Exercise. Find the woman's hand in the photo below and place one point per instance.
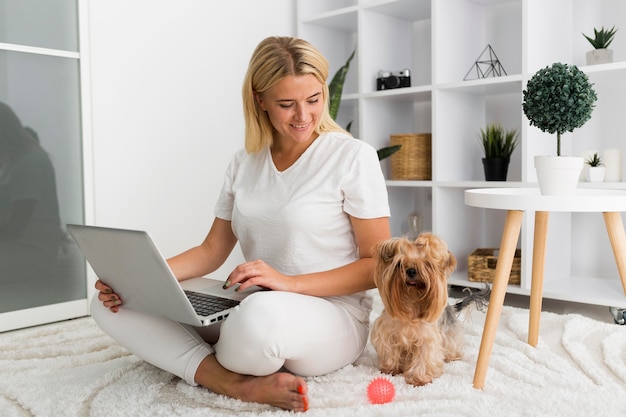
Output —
(348, 279)
(261, 274)
(109, 299)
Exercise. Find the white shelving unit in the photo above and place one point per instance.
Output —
(439, 41)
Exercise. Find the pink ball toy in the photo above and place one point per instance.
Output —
(380, 391)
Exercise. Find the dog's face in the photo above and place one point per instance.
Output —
(412, 276)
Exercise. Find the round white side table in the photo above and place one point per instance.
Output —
(516, 201)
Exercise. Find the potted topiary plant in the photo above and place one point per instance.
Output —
(594, 168)
(498, 144)
(558, 99)
(601, 54)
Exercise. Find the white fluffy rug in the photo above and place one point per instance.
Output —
(578, 369)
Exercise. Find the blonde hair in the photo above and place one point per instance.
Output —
(273, 59)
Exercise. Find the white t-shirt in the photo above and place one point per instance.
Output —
(297, 220)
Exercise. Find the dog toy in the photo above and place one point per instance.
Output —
(380, 391)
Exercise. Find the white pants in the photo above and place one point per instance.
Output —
(268, 331)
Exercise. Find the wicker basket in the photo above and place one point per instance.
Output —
(413, 160)
(482, 266)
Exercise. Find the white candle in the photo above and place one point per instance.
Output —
(612, 159)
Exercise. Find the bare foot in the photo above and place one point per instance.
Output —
(282, 390)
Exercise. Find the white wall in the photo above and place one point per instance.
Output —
(166, 80)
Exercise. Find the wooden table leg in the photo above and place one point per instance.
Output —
(536, 286)
(617, 237)
(510, 234)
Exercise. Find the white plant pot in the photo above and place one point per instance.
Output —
(558, 175)
(599, 56)
(595, 174)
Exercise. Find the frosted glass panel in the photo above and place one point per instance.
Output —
(42, 23)
(40, 181)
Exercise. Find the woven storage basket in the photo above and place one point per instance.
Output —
(413, 160)
(482, 266)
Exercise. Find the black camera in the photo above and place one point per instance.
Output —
(387, 79)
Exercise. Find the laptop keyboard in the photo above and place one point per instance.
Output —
(206, 304)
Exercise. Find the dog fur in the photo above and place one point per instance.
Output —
(418, 331)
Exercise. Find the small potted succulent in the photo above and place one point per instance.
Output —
(558, 99)
(600, 54)
(498, 144)
(594, 168)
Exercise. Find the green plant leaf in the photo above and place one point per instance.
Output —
(336, 87)
(602, 38)
(594, 161)
(498, 142)
(387, 151)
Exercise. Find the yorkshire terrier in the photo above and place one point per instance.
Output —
(418, 331)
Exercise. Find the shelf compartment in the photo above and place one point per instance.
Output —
(393, 43)
(344, 20)
(349, 114)
(605, 129)
(466, 228)
(588, 289)
(410, 10)
(325, 10)
(381, 118)
(595, 255)
(407, 202)
(459, 116)
(589, 15)
(336, 46)
(477, 24)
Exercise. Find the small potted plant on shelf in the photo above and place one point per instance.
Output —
(601, 54)
(558, 99)
(498, 144)
(594, 168)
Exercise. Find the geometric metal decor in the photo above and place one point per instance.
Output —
(487, 65)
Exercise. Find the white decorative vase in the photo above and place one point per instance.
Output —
(595, 174)
(558, 175)
(599, 56)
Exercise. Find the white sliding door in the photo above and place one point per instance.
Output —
(42, 276)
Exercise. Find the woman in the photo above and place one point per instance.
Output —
(307, 204)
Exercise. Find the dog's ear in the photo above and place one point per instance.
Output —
(450, 263)
(387, 250)
(438, 250)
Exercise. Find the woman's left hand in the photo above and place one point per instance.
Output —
(258, 273)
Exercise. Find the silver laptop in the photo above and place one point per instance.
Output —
(129, 262)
